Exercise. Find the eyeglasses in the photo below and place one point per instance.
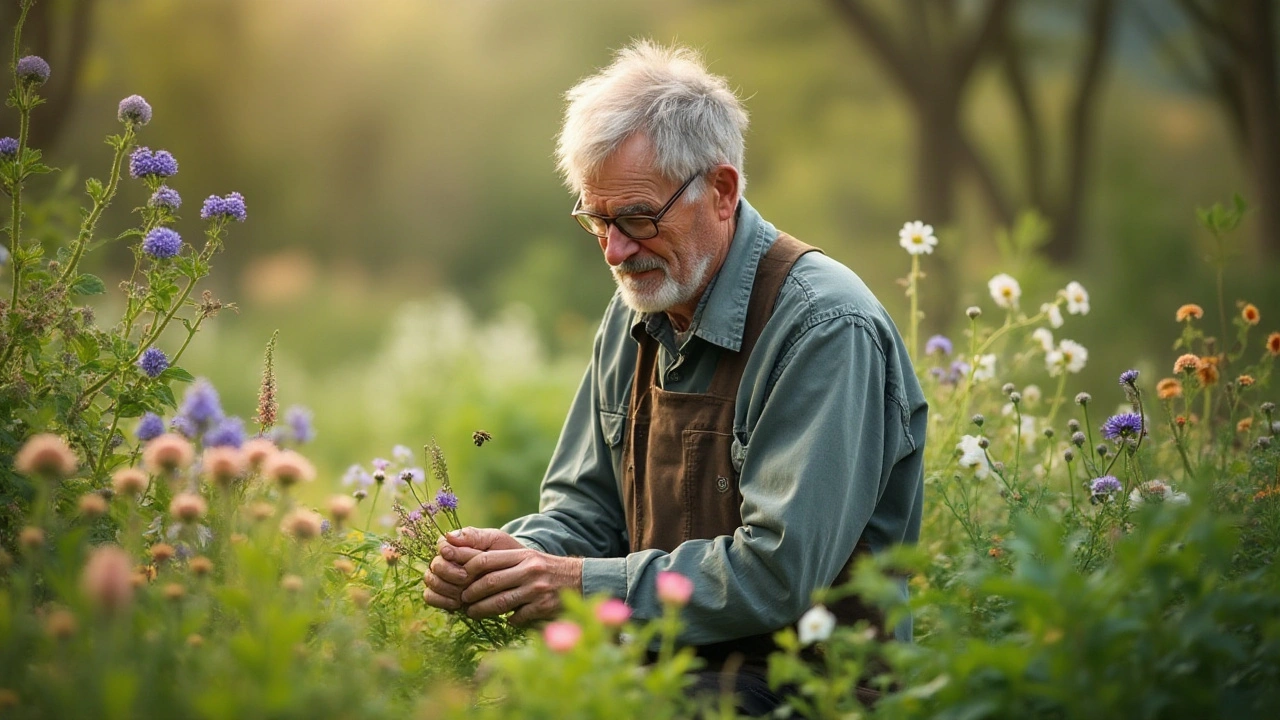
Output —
(634, 226)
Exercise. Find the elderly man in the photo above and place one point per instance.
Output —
(750, 417)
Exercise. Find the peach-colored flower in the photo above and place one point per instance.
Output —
(613, 613)
(1190, 311)
(561, 635)
(45, 455)
(341, 507)
(144, 574)
(344, 566)
(291, 583)
(61, 624)
(1250, 313)
(92, 505)
(129, 481)
(359, 596)
(257, 450)
(224, 463)
(1244, 425)
(1169, 388)
(188, 507)
(31, 537)
(1187, 363)
(1245, 380)
(200, 566)
(162, 553)
(174, 591)
(390, 553)
(107, 578)
(674, 588)
(1263, 494)
(288, 468)
(1273, 343)
(167, 453)
(195, 640)
(1208, 371)
(261, 510)
(302, 524)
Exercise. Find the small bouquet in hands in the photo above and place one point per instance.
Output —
(420, 521)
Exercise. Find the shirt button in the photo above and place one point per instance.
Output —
(674, 376)
(722, 483)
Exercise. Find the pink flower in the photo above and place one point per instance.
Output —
(613, 613)
(674, 588)
(561, 635)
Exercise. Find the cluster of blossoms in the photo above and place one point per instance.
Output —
(397, 473)
(32, 70)
(144, 163)
(229, 207)
(952, 371)
(153, 361)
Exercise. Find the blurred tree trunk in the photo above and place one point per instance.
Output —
(933, 65)
(1237, 39)
(57, 31)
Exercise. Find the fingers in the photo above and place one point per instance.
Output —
(498, 581)
(482, 539)
(455, 554)
(495, 560)
(436, 600)
(448, 572)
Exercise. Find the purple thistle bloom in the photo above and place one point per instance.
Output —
(1124, 425)
(33, 69)
(183, 426)
(200, 404)
(357, 475)
(150, 427)
(380, 464)
(416, 474)
(299, 421)
(446, 500)
(228, 432)
(1105, 485)
(230, 207)
(165, 197)
(415, 516)
(430, 509)
(937, 344)
(144, 163)
(1129, 377)
(162, 243)
(134, 109)
(958, 371)
(9, 147)
(153, 362)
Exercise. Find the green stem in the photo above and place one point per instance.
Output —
(1057, 397)
(91, 222)
(913, 289)
(373, 503)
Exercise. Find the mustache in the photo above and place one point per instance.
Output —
(639, 265)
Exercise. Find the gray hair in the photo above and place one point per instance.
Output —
(693, 120)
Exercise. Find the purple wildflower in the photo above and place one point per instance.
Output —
(183, 426)
(1105, 485)
(958, 371)
(416, 474)
(165, 197)
(228, 432)
(430, 509)
(937, 344)
(200, 405)
(1129, 377)
(299, 421)
(134, 109)
(404, 477)
(415, 516)
(229, 207)
(401, 454)
(357, 475)
(33, 70)
(144, 163)
(9, 147)
(150, 427)
(162, 243)
(380, 464)
(446, 500)
(1122, 426)
(153, 362)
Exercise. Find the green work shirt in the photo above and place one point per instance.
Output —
(829, 431)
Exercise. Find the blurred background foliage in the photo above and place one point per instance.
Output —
(410, 239)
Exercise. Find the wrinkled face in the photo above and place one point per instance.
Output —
(671, 268)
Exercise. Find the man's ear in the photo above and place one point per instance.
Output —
(724, 189)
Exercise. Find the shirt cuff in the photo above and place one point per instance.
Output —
(604, 576)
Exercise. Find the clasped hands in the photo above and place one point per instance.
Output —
(485, 572)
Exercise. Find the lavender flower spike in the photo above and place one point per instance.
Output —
(33, 70)
(134, 109)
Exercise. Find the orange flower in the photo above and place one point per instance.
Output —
(1180, 421)
(1208, 373)
(995, 552)
(1244, 425)
(1169, 388)
(162, 552)
(1273, 343)
(1190, 311)
(1186, 364)
(1250, 313)
(1265, 493)
(1245, 380)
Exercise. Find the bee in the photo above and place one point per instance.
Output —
(480, 437)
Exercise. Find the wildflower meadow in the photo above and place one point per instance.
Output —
(1085, 552)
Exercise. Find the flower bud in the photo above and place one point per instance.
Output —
(200, 566)
(1015, 397)
(162, 552)
(1267, 407)
(1008, 388)
(1263, 442)
(1078, 439)
(973, 312)
(341, 507)
(978, 419)
(984, 443)
(107, 579)
(31, 538)
(129, 481)
(45, 456)
(61, 624)
(359, 495)
(1073, 425)
(1048, 432)
(1069, 455)
(1103, 450)
(92, 505)
(998, 467)
(188, 507)
(174, 592)
(1083, 398)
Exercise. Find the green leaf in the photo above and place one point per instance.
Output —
(94, 187)
(88, 284)
(176, 373)
(164, 395)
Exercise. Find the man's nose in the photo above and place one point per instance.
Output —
(617, 246)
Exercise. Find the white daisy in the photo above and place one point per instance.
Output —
(1055, 314)
(1044, 337)
(986, 368)
(816, 625)
(1005, 291)
(917, 238)
(973, 457)
(1077, 298)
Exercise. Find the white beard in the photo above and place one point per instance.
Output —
(642, 296)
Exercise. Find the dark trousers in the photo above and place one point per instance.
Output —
(752, 695)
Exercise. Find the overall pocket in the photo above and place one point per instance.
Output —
(713, 502)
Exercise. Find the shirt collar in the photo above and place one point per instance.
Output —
(721, 316)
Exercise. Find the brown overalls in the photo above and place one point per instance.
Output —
(678, 478)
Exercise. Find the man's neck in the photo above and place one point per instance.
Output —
(681, 316)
